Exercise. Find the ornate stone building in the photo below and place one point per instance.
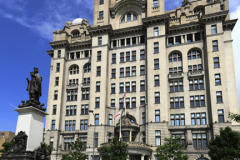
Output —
(176, 68)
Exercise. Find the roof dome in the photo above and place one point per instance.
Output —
(78, 20)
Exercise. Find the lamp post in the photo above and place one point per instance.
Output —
(91, 111)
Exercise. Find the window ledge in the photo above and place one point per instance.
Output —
(216, 67)
(98, 60)
(142, 59)
(178, 108)
(98, 76)
(219, 102)
(113, 63)
(218, 84)
(156, 85)
(112, 93)
(113, 78)
(142, 90)
(156, 68)
(83, 114)
(100, 18)
(216, 51)
(157, 103)
(197, 90)
(70, 115)
(156, 53)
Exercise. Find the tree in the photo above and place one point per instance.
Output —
(234, 117)
(225, 146)
(6, 147)
(116, 151)
(76, 151)
(171, 150)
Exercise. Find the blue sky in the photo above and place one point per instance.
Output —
(26, 30)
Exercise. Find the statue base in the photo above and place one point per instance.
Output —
(31, 121)
(33, 103)
(25, 155)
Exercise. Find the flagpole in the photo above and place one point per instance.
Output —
(120, 127)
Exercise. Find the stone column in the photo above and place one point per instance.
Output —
(142, 157)
(174, 40)
(112, 44)
(89, 157)
(182, 39)
(131, 41)
(130, 136)
(193, 37)
(127, 157)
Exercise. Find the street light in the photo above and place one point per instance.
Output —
(91, 111)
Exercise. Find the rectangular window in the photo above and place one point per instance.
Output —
(55, 95)
(215, 45)
(216, 62)
(59, 53)
(143, 118)
(214, 29)
(196, 84)
(78, 55)
(142, 100)
(142, 70)
(133, 102)
(156, 31)
(158, 137)
(176, 86)
(127, 86)
(157, 97)
(97, 102)
(96, 119)
(189, 38)
(98, 71)
(128, 41)
(72, 95)
(83, 124)
(142, 85)
(71, 110)
(113, 73)
(51, 141)
(199, 140)
(177, 120)
(156, 63)
(85, 94)
(99, 40)
(219, 96)
(98, 86)
(170, 41)
(157, 115)
(198, 118)
(113, 58)
(156, 80)
(121, 87)
(128, 17)
(220, 115)
(133, 55)
(112, 102)
(122, 57)
(197, 37)
(53, 124)
(99, 55)
(56, 81)
(110, 119)
(66, 143)
(197, 101)
(58, 67)
(113, 88)
(96, 140)
(155, 3)
(177, 102)
(100, 16)
(101, 2)
(142, 54)
(120, 103)
(222, 7)
(127, 71)
(84, 109)
(133, 70)
(217, 79)
(182, 139)
(178, 39)
(127, 102)
(54, 109)
(156, 49)
(133, 86)
(127, 56)
(122, 42)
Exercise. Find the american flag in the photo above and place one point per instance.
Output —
(123, 97)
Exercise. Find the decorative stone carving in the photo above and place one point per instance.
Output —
(42, 153)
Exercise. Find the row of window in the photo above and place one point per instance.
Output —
(127, 41)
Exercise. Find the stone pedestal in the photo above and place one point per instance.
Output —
(31, 121)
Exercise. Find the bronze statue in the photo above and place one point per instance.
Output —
(34, 87)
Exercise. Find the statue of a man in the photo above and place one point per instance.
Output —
(34, 87)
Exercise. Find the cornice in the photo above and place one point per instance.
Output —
(59, 44)
(229, 24)
(214, 16)
(129, 30)
(94, 30)
(184, 27)
(50, 53)
(156, 19)
(84, 44)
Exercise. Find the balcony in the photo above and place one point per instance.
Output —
(72, 86)
(86, 84)
(175, 75)
(195, 73)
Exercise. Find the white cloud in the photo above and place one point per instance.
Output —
(236, 46)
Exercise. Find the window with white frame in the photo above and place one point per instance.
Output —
(198, 118)
(112, 102)
(175, 57)
(177, 120)
(133, 86)
(85, 94)
(72, 95)
(158, 137)
(157, 97)
(74, 70)
(142, 100)
(133, 102)
(142, 85)
(97, 102)
(71, 110)
(155, 31)
(113, 88)
(176, 102)
(219, 96)
(175, 70)
(176, 86)
(84, 109)
(194, 54)
(199, 140)
(156, 80)
(217, 79)
(196, 84)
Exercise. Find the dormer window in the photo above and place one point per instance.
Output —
(199, 10)
(75, 33)
(129, 17)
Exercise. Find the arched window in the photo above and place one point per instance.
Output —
(175, 57)
(74, 69)
(75, 33)
(87, 68)
(194, 54)
(199, 9)
(129, 17)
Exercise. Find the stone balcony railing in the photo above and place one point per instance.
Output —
(175, 75)
(85, 84)
(195, 73)
(130, 144)
(72, 86)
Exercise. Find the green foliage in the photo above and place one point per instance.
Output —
(171, 150)
(116, 151)
(234, 117)
(48, 148)
(225, 146)
(6, 147)
(76, 152)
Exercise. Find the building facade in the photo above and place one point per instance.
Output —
(5, 136)
(176, 68)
